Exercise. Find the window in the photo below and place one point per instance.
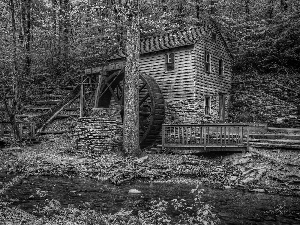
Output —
(214, 36)
(221, 67)
(170, 61)
(207, 62)
(207, 102)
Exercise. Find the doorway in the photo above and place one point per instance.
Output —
(222, 107)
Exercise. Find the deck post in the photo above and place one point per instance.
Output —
(221, 136)
(204, 138)
(20, 128)
(163, 137)
(32, 130)
(1, 129)
(81, 102)
(247, 138)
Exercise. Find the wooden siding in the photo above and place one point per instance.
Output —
(177, 84)
(211, 83)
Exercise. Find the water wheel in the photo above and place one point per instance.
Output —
(151, 102)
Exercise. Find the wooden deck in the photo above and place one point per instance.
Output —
(194, 138)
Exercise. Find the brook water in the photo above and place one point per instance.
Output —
(232, 206)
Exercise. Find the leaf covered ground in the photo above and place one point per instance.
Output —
(270, 171)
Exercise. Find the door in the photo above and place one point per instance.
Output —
(221, 107)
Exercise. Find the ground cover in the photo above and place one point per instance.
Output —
(259, 170)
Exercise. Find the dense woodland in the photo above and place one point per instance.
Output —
(50, 42)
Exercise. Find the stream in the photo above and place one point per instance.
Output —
(231, 205)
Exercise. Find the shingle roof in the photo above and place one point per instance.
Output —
(167, 41)
(174, 40)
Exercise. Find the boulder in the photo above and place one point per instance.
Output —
(134, 191)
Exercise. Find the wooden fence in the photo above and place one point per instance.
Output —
(26, 129)
(192, 138)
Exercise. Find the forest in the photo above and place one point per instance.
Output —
(52, 41)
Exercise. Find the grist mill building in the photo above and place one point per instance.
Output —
(185, 78)
(193, 71)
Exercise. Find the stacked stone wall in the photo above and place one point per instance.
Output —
(100, 132)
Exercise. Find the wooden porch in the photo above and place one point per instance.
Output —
(196, 138)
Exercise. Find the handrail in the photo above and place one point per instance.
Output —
(30, 127)
(48, 117)
(208, 137)
(207, 124)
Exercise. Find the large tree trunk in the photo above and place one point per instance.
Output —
(27, 34)
(11, 110)
(65, 34)
(131, 100)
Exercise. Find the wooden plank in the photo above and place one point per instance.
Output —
(1, 129)
(163, 136)
(20, 128)
(81, 114)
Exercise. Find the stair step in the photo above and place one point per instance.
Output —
(284, 130)
(47, 102)
(276, 145)
(69, 88)
(71, 109)
(59, 117)
(38, 108)
(275, 136)
(275, 141)
(53, 132)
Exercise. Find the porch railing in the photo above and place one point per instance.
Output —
(206, 137)
(26, 129)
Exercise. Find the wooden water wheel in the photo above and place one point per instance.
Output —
(151, 102)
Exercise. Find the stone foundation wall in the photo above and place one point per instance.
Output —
(192, 111)
(99, 132)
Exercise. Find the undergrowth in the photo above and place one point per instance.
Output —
(159, 212)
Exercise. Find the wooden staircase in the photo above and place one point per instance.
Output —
(55, 106)
(271, 89)
(277, 138)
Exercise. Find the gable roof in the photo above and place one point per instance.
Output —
(178, 39)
